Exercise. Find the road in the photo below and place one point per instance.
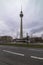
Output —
(10, 55)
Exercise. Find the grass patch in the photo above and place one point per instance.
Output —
(23, 45)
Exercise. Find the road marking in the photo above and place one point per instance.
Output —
(34, 57)
(14, 53)
(35, 50)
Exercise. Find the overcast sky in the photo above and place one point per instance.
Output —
(10, 20)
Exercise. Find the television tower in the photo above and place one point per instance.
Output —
(21, 26)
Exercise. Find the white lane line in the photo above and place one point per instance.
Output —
(35, 50)
(34, 57)
(14, 53)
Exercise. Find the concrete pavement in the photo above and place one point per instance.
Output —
(10, 55)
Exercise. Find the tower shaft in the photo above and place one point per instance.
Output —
(21, 29)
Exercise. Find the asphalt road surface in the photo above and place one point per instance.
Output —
(10, 55)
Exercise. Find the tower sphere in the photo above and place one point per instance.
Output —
(21, 14)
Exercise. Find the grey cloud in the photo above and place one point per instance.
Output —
(33, 15)
(37, 30)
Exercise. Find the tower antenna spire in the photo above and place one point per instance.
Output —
(21, 4)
